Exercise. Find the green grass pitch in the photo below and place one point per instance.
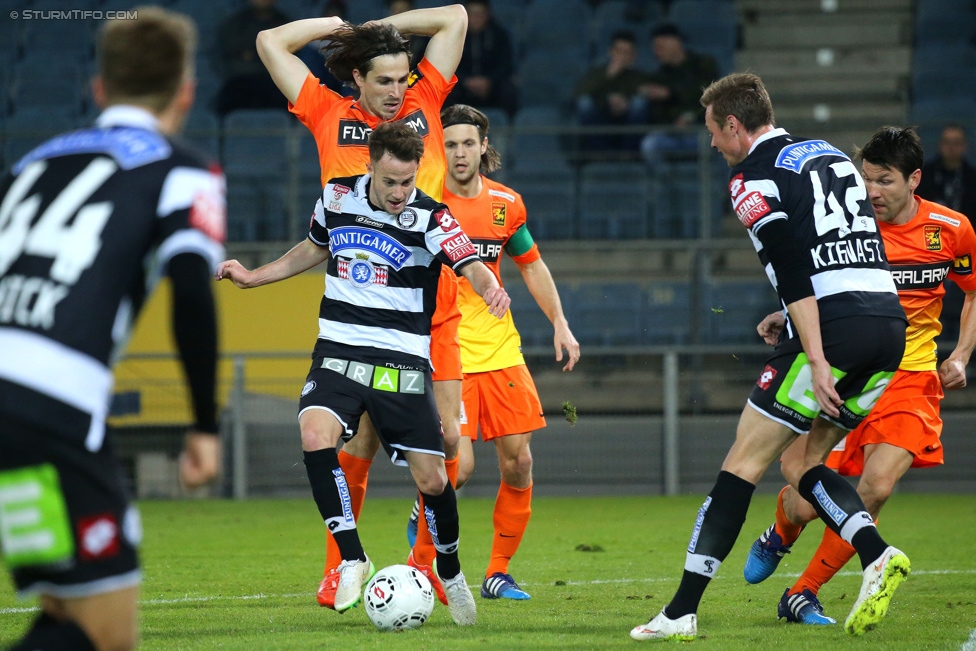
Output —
(242, 575)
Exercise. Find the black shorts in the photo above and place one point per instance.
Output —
(395, 389)
(864, 353)
(67, 526)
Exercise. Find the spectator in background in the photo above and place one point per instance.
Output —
(949, 179)
(418, 44)
(247, 83)
(608, 94)
(485, 74)
(671, 94)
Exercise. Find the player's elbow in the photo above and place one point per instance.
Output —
(267, 42)
(458, 18)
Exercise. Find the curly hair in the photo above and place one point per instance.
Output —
(491, 160)
(353, 47)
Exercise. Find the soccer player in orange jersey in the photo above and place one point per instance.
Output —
(375, 59)
(499, 394)
(925, 243)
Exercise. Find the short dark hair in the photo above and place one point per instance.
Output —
(743, 95)
(894, 148)
(667, 29)
(399, 140)
(353, 47)
(623, 35)
(145, 60)
(491, 160)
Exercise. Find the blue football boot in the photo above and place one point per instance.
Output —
(803, 608)
(764, 555)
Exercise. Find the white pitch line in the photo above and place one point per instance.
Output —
(970, 645)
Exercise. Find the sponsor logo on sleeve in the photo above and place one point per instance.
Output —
(458, 247)
(498, 213)
(933, 238)
(963, 265)
(751, 208)
(98, 537)
(766, 377)
(335, 206)
(446, 220)
(415, 76)
(942, 218)
(737, 186)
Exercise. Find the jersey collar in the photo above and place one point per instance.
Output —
(773, 133)
(124, 115)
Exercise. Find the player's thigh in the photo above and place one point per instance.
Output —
(759, 441)
(509, 403)
(330, 406)
(407, 419)
(428, 472)
(465, 460)
(470, 405)
(365, 442)
(447, 395)
(109, 620)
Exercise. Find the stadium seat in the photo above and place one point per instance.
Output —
(536, 146)
(549, 205)
(607, 314)
(255, 142)
(256, 210)
(940, 110)
(361, 11)
(556, 24)
(29, 94)
(202, 131)
(613, 201)
(733, 309)
(666, 313)
(28, 129)
(710, 27)
(533, 325)
(547, 76)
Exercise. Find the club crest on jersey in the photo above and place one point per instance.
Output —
(736, 186)
(750, 208)
(498, 213)
(794, 157)
(308, 388)
(407, 218)
(963, 265)
(766, 377)
(415, 76)
(361, 272)
(933, 238)
(382, 245)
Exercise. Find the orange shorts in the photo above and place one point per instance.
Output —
(445, 348)
(503, 402)
(906, 416)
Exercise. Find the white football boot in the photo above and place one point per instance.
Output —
(661, 627)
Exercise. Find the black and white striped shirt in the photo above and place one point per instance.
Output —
(89, 221)
(816, 201)
(381, 283)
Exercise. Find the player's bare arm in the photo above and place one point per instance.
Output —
(277, 48)
(302, 257)
(770, 327)
(806, 317)
(543, 289)
(953, 370)
(486, 286)
(446, 26)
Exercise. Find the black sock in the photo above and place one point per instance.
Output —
(840, 507)
(331, 495)
(442, 523)
(719, 522)
(49, 634)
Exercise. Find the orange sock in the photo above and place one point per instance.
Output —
(423, 550)
(513, 507)
(788, 531)
(357, 476)
(832, 554)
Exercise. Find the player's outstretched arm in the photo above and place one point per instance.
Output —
(302, 257)
(277, 48)
(953, 370)
(543, 289)
(195, 330)
(446, 26)
(486, 286)
(770, 327)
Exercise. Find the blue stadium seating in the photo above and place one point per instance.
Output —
(613, 201)
(202, 131)
(548, 76)
(27, 129)
(533, 325)
(733, 309)
(255, 142)
(607, 314)
(709, 27)
(536, 147)
(666, 313)
(548, 203)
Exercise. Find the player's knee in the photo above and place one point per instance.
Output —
(452, 438)
(518, 466)
(315, 439)
(115, 637)
(875, 491)
(432, 483)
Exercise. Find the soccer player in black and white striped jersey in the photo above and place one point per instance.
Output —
(387, 241)
(89, 220)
